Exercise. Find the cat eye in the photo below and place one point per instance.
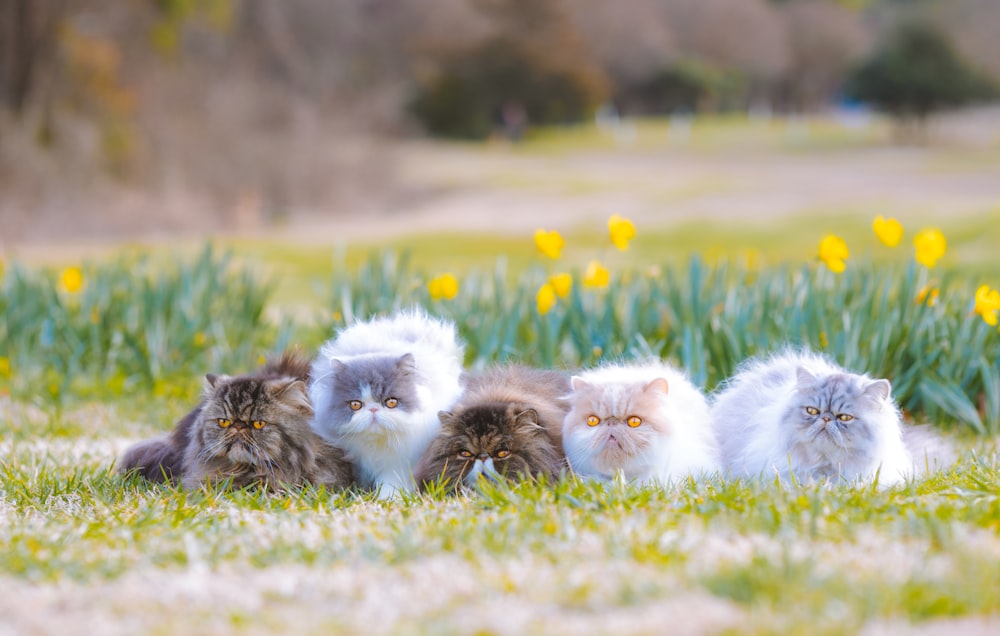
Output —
(844, 417)
(355, 405)
(502, 454)
(634, 421)
(223, 422)
(593, 420)
(812, 410)
(259, 424)
(391, 403)
(466, 454)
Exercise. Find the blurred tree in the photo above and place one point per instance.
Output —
(28, 34)
(825, 40)
(745, 36)
(916, 73)
(532, 70)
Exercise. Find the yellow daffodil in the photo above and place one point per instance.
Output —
(621, 231)
(550, 243)
(200, 339)
(561, 283)
(988, 304)
(930, 246)
(889, 231)
(928, 296)
(596, 275)
(71, 279)
(443, 286)
(833, 252)
(545, 299)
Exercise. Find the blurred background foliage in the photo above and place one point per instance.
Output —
(247, 108)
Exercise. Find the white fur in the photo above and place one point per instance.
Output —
(689, 448)
(386, 445)
(748, 414)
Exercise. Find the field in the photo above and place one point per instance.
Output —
(103, 351)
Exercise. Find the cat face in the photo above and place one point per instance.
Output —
(836, 417)
(255, 422)
(493, 441)
(610, 425)
(373, 395)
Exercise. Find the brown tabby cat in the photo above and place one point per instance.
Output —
(507, 424)
(251, 429)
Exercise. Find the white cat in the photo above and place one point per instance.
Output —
(646, 422)
(377, 389)
(799, 414)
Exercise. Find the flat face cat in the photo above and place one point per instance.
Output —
(252, 430)
(799, 414)
(834, 419)
(495, 441)
(163, 459)
(646, 422)
(377, 388)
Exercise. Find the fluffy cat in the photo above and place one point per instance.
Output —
(799, 413)
(507, 424)
(247, 429)
(377, 389)
(646, 422)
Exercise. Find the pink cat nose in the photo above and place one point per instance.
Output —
(484, 456)
(373, 409)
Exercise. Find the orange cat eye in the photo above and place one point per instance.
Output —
(812, 410)
(224, 423)
(502, 454)
(593, 420)
(633, 421)
(391, 403)
(355, 405)
(844, 417)
(466, 454)
(259, 423)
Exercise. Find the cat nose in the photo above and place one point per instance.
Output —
(239, 426)
(483, 456)
(827, 419)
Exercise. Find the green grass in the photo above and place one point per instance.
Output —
(756, 557)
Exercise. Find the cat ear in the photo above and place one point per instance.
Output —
(804, 378)
(527, 417)
(879, 389)
(578, 383)
(292, 392)
(659, 385)
(213, 380)
(406, 363)
(337, 366)
(445, 416)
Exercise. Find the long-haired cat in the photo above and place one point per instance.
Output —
(507, 424)
(251, 429)
(377, 389)
(646, 422)
(800, 414)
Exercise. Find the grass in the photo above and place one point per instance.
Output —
(751, 557)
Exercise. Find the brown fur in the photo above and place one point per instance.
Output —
(285, 451)
(515, 409)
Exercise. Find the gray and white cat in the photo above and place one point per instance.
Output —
(377, 389)
(645, 422)
(800, 414)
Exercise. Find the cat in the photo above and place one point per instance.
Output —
(798, 413)
(377, 388)
(251, 429)
(646, 422)
(507, 424)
